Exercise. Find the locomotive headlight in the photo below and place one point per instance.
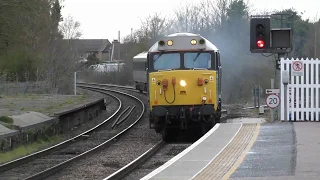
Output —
(193, 42)
(170, 43)
(183, 83)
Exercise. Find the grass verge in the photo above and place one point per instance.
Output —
(28, 149)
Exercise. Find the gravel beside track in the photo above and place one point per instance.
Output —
(162, 156)
(74, 149)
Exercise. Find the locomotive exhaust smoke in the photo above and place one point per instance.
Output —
(240, 69)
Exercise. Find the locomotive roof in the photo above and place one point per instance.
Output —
(180, 36)
(141, 56)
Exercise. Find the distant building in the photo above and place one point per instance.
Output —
(101, 47)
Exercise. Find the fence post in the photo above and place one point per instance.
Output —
(254, 97)
(272, 110)
(259, 96)
(75, 83)
(285, 80)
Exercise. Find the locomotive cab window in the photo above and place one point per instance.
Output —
(166, 61)
(198, 60)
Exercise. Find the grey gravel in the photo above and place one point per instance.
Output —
(162, 156)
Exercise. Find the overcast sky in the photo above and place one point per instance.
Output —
(104, 18)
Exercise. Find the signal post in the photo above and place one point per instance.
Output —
(265, 39)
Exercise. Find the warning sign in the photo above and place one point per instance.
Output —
(297, 68)
(211, 78)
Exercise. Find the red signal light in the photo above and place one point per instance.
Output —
(260, 43)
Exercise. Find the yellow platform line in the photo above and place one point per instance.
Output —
(243, 155)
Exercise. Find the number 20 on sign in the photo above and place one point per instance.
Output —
(273, 101)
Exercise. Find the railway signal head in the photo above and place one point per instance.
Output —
(260, 37)
(260, 43)
(259, 34)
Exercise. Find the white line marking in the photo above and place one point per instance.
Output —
(177, 157)
(218, 153)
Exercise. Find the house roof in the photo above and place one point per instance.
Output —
(90, 45)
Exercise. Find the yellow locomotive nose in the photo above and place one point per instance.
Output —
(183, 83)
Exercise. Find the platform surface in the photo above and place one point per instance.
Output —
(283, 151)
(29, 118)
(6, 131)
(192, 160)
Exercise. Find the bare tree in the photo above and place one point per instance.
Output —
(59, 66)
(219, 12)
(157, 25)
(182, 18)
(70, 28)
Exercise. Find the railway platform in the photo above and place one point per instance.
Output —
(202, 160)
(249, 149)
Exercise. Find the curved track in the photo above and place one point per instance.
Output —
(48, 161)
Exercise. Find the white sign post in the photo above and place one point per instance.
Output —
(272, 91)
(297, 68)
(273, 101)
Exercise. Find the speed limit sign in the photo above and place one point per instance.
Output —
(273, 101)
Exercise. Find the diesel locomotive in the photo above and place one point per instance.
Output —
(182, 76)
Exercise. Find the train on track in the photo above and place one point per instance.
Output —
(181, 74)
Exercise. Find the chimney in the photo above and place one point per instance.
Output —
(119, 45)
(115, 49)
(115, 52)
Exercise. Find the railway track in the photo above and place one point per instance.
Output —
(47, 162)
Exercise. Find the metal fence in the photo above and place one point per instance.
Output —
(23, 87)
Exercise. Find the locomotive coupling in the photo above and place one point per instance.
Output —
(159, 111)
(207, 110)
